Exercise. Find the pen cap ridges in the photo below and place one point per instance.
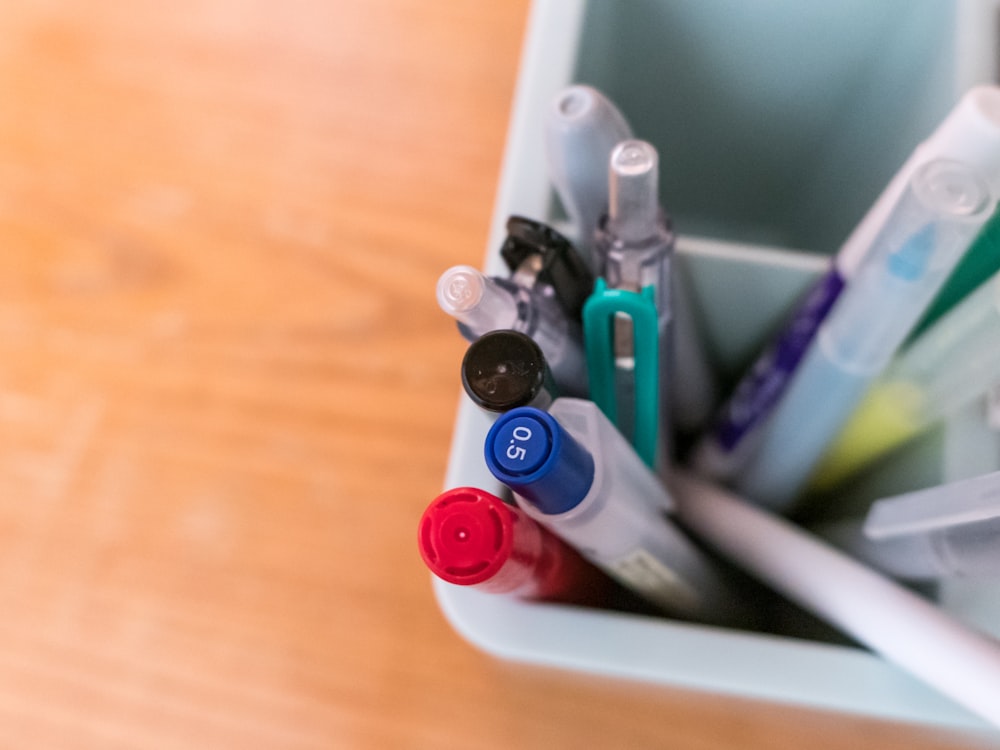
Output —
(466, 535)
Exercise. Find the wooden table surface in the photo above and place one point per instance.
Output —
(226, 392)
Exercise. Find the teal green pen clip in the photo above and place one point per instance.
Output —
(598, 327)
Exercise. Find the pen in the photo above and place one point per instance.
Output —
(635, 249)
(483, 303)
(970, 133)
(888, 618)
(470, 537)
(948, 531)
(943, 207)
(572, 471)
(954, 362)
(582, 126)
(505, 369)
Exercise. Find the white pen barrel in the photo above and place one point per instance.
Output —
(960, 662)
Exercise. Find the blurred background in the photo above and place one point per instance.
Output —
(226, 391)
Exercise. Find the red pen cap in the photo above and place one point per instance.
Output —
(471, 537)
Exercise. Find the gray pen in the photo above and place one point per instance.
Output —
(635, 248)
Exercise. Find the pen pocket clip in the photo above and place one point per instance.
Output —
(599, 314)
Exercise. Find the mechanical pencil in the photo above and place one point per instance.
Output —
(635, 248)
(483, 303)
(954, 362)
(572, 471)
(470, 537)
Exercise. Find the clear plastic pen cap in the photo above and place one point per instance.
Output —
(943, 207)
(475, 299)
(634, 205)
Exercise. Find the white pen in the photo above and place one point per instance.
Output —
(906, 629)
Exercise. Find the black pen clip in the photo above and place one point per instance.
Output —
(551, 259)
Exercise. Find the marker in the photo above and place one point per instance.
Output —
(470, 537)
(943, 208)
(953, 363)
(891, 620)
(948, 531)
(505, 369)
(574, 473)
(538, 256)
(582, 126)
(970, 133)
(483, 303)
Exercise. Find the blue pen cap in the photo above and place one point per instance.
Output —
(534, 455)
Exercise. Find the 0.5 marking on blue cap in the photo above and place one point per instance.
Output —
(522, 445)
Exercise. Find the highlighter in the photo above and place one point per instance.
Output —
(944, 206)
(970, 133)
(953, 363)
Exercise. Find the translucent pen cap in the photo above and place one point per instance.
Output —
(633, 202)
(941, 210)
(476, 300)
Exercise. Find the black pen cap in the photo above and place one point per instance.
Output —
(558, 264)
(505, 369)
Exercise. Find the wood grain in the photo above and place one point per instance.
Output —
(226, 393)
